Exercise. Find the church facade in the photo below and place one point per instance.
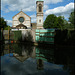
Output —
(23, 21)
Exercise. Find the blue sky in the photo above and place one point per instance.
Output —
(9, 8)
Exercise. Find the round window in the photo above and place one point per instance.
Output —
(21, 19)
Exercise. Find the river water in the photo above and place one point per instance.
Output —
(25, 59)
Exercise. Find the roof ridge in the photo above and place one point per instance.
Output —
(19, 12)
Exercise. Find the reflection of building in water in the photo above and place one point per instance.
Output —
(20, 52)
(25, 54)
(60, 55)
(40, 65)
(20, 58)
(45, 54)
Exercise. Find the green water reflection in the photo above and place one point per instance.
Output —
(31, 60)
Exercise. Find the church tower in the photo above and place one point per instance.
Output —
(39, 15)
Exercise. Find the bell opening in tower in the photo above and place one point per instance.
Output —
(40, 8)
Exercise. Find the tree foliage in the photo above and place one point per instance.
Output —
(8, 27)
(53, 21)
(72, 18)
(49, 22)
(3, 23)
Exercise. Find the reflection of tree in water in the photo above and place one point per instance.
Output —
(65, 56)
(19, 48)
(1, 49)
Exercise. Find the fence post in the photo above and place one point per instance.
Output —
(39, 35)
(9, 35)
(1, 43)
(1, 33)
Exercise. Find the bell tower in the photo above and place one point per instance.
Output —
(39, 15)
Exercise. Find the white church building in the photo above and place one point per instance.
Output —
(23, 21)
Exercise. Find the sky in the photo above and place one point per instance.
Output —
(9, 8)
(11, 66)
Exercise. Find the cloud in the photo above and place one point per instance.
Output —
(11, 66)
(9, 22)
(33, 18)
(46, 7)
(61, 10)
(26, 5)
(52, 1)
(17, 5)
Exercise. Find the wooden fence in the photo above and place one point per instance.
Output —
(9, 36)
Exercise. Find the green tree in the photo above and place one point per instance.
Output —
(3, 23)
(50, 21)
(53, 21)
(72, 18)
(59, 22)
(8, 27)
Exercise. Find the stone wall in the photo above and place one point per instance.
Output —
(28, 34)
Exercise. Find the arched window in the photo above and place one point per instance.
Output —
(40, 8)
(40, 21)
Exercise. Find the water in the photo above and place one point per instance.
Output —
(25, 59)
